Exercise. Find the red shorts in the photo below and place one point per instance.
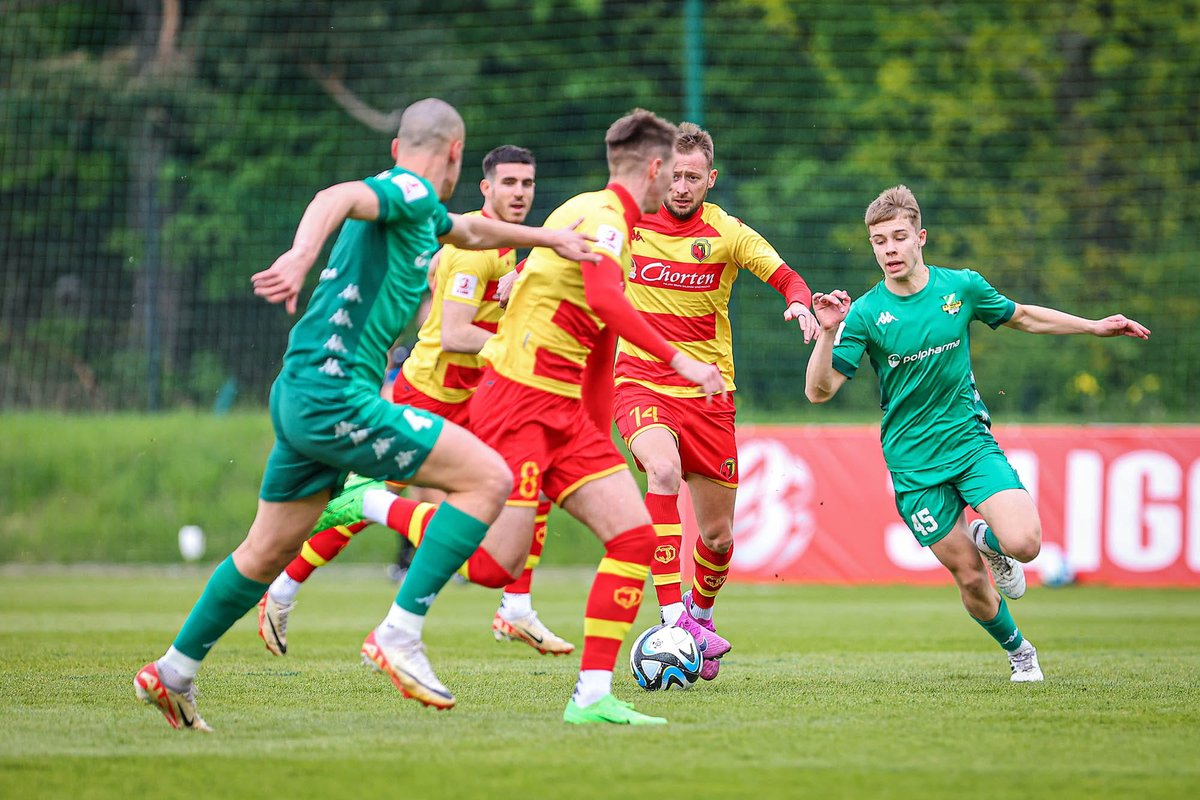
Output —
(548, 441)
(403, 393)
(703, 428)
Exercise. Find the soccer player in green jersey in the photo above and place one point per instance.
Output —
(328, 415)
(936, 435)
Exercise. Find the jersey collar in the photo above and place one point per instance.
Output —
(632, 212)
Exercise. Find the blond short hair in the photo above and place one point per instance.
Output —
(692, 138)
(898, 201)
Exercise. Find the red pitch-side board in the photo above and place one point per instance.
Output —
(1120, 503)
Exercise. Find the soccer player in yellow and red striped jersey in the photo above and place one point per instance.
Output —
(545, 404)
(686, 256)
(439, 375)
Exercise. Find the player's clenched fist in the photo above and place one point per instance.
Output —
(706, 376)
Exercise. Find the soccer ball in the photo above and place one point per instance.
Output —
(665, 657)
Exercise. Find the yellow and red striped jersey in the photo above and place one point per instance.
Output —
(469, 277)
(549, 329)
(682, 276)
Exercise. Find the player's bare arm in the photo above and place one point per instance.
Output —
(1039, 319)
(281, 282)
(481, 233)
(460, 334)
(821, 380)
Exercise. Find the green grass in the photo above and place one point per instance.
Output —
(829, 692)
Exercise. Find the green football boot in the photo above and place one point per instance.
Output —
(347, 507)
(608, 709)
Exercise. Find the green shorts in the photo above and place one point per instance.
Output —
(930, 500)
(321, 435)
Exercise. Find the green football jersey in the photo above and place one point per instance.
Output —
(370, 289)
(920, 347)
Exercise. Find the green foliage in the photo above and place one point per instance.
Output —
(1052, 144)
(849, 692)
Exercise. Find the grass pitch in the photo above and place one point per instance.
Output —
(828, 692)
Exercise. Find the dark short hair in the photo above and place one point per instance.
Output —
(638, 135)
(506, 154)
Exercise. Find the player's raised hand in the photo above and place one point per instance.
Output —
(1121, 325)
(706, 376)
(808, 323)
(281, 282)
(572, 245)
(830, 309)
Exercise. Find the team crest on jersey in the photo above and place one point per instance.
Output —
(729, 469)
(701, 249)
(952, 303)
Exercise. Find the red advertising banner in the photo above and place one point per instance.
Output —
(1120, 505)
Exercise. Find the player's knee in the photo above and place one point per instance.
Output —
(495, 478)
(663, 474)
(972, 581)
(1026, 543)
(719, 540)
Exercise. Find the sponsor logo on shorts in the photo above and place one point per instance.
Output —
(895, 359)
(627, 597)
(665, 553)
(381, 446)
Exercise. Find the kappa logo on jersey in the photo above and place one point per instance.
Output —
(464, 285)
(329, 273)
(610, 240)
(677, 275)
(952, 304)
(636, 236)
(334, 344)
(410, 186)
(332, 367)
(886, 318)
(341, 318)
(701, 249)
(351, 294)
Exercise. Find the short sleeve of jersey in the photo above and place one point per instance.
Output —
(753, 252)
(990, 307)
(610, 233)
(465, 274)
(850, 343)
(405, 197)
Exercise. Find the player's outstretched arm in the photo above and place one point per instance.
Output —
(281, 282)
(821, 380)
(482, 233)
(1039, 319)
(808, 322)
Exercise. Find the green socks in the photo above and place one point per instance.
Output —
(449, 540)
(1003, 629)
(225, 599)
